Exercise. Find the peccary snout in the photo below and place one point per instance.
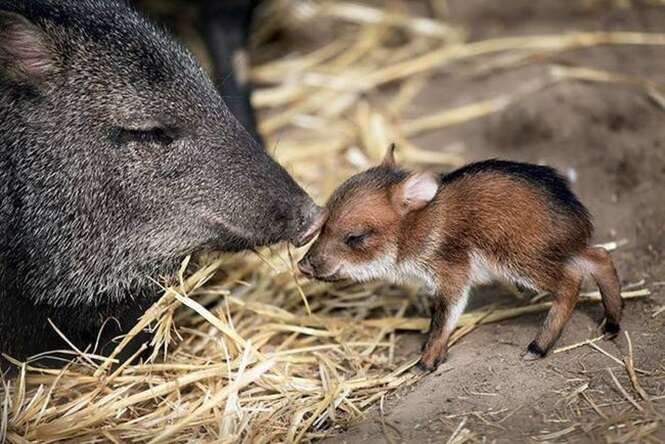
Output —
(313, 217)
(252, 201)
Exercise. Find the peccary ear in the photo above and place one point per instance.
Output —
(415, 192)
(26, 55)
(389, 157)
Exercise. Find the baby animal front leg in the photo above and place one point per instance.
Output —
(448, 307)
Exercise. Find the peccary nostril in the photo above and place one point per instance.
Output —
(305, 267)
(316, 219)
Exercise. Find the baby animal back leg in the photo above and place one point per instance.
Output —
(603, 272)
(565, 295)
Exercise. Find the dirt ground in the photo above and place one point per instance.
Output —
(611, 140)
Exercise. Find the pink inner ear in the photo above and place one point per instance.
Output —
(419, 189)
(23, 43)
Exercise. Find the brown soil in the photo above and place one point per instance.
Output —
(612, 138)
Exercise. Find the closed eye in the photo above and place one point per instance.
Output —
(150, 135)
(355, 240)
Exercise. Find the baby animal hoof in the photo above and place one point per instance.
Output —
(533, 352)
(611, 330)
(427, 367)
(529, 356)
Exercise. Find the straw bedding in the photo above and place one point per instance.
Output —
(243, 348)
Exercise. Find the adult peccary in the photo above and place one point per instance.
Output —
(117, 158)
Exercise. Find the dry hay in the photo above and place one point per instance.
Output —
(246, 351)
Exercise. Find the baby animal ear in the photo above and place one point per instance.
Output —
(389, 157)
(415, 192)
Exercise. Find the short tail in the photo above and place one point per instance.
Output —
(601, 268)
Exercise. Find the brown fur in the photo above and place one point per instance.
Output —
(518, 222)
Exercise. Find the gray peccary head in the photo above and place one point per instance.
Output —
(118, 157)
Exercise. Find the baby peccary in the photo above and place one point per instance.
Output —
(493, 219)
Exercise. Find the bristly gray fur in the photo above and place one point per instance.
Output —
(86, 218)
